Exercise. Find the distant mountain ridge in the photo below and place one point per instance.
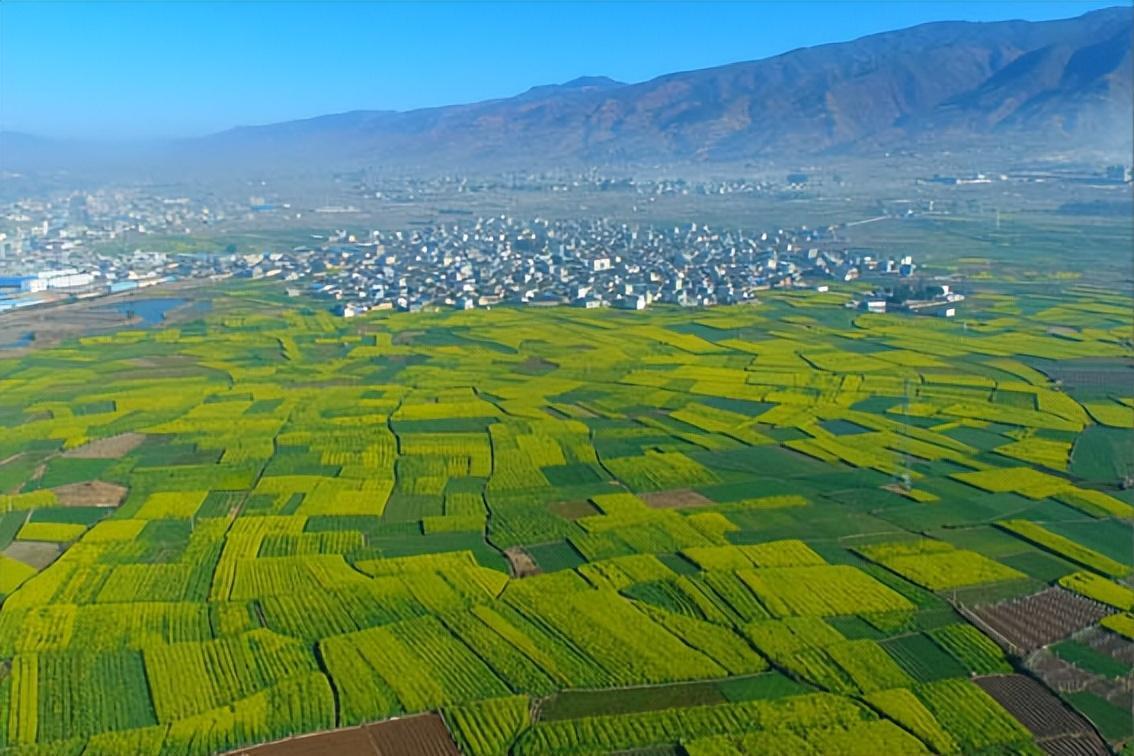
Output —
(1064, 84)
(583, 84)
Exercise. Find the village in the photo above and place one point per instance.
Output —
(90, 246)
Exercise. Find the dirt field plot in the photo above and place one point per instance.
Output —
(421, 735)
(1034, 621)
(678, 499)
(35, 553)
(521, 562)
(352, 741)
(114, 447)
(1036, 708)
(1073, 745)
(92, 493)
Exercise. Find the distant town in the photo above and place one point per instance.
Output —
(466, 264)
(75, 245)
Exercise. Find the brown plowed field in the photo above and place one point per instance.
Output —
(1034, 621)
(1042, 713)
(423, 735)
(351, 741)
(420, 735)
(1073, 745)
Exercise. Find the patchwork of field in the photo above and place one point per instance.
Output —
(787, 525)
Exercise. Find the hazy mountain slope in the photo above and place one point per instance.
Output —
(954, 80)
(1066, 88)
(1061, 84)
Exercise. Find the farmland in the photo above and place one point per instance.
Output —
(716, 530)
(1040, 711)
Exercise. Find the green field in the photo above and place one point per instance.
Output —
(748, 522)
(1086, 658)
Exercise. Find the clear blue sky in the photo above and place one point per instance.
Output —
(142, 69)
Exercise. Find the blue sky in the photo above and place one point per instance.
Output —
(143, 69)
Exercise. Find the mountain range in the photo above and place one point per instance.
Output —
(1060, 85)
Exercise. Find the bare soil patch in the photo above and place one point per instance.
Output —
(1041, 712)
(676, 499)
(521, 562)
(350, 741)
(1073, 745)
(114, 447)
(420, 735)
(423, 735)
(1035, 621)
(37, 554)
(1061, 675)
(91, 493)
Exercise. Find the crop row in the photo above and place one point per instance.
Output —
(1065, 547)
